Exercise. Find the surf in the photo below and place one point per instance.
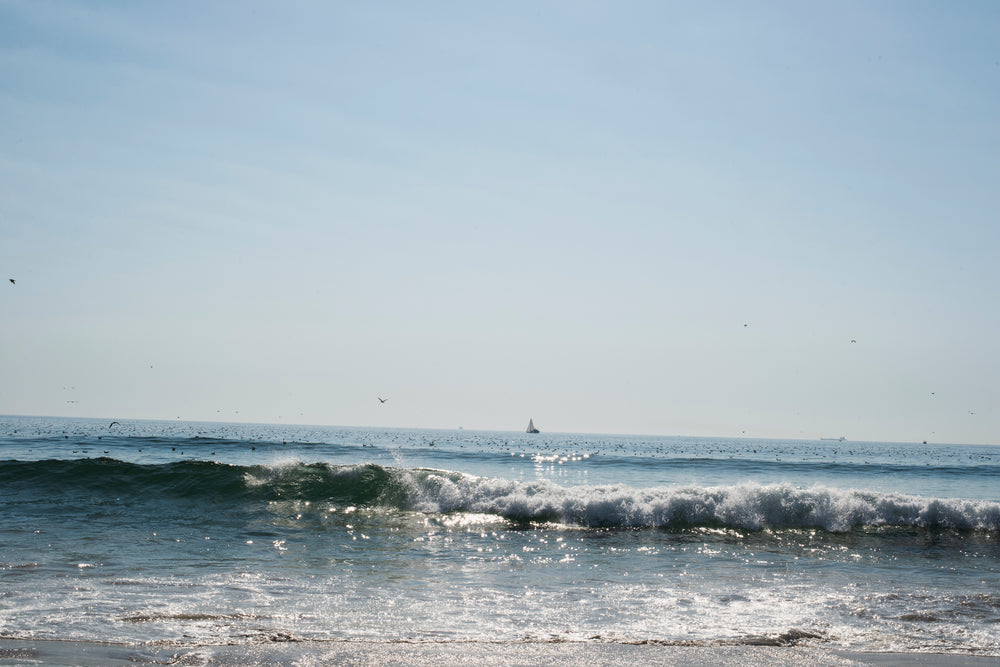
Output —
(748, 505)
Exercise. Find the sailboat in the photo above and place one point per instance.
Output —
(531, 427)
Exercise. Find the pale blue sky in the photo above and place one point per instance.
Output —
(489, 211)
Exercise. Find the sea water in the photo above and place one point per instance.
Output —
(144, 532)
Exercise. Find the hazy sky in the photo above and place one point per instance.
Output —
(640, 217)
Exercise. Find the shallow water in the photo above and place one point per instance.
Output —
(201, 533)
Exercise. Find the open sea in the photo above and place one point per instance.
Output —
(153, 533)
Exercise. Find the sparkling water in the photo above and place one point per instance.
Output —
(144, 532)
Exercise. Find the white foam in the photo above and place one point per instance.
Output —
(748, 505)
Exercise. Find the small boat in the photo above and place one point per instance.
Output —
(531, 427)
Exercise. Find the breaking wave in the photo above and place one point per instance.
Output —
(745, 506)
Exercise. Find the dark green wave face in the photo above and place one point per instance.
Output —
(107, 477)
(357, 484)
(197, 480)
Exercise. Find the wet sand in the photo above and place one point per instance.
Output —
(479, 654)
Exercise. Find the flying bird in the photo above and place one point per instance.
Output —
(11, 281)
(113, 424)
(382, 400)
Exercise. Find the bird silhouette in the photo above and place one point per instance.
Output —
(382, 400)
(11, 281)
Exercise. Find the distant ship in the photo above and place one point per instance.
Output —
(840, 439)
(531, 427)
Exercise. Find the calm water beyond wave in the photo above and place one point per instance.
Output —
(146, 532)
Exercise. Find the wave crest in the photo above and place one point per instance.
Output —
(745, 506)
(749, 506)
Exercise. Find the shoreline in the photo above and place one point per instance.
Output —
(57, 652)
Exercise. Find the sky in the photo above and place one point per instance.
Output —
(774, 219)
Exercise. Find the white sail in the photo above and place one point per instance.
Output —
(531, 426)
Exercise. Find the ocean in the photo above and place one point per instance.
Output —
(184, 534)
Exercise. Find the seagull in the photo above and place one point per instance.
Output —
(113, 424)
(11, 281)
(382, 400)
(853, 341)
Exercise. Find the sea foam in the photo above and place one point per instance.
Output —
(748, 505)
